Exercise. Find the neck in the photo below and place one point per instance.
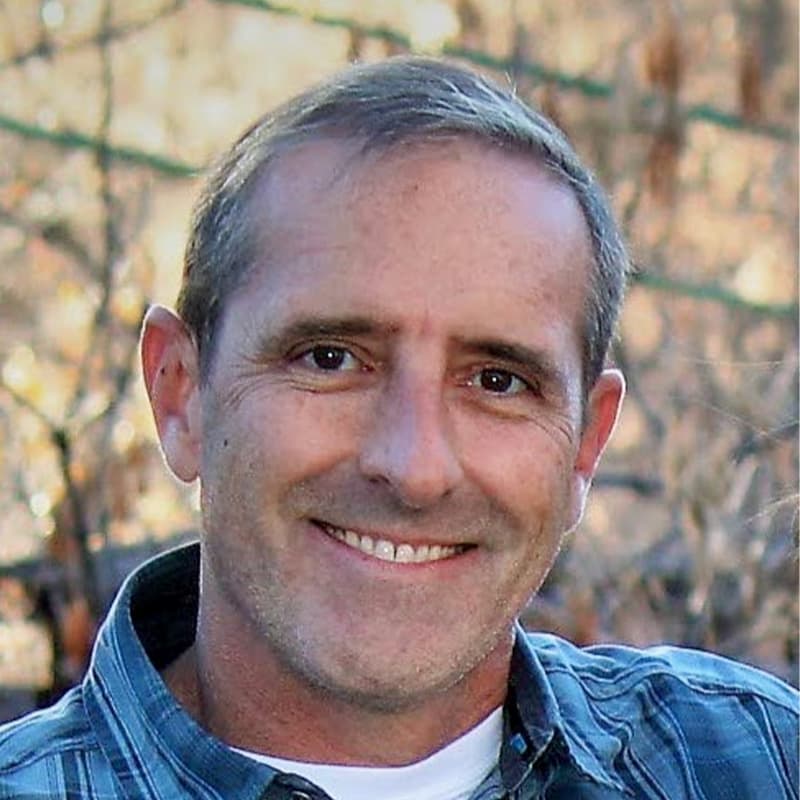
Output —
(246, 697)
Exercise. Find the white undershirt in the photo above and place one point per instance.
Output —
(452, 773)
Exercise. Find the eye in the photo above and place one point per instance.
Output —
(330, 359)
(499, 381)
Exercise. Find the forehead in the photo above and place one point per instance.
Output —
(435, 226)
(311, 184)
(316, 169)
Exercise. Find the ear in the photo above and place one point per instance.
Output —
(602, 410)
(170, 366)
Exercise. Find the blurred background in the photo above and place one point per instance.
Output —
(687, 110)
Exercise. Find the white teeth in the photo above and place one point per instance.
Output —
(351, 538)
(386, 551)
(421, 553)
(365, 544)
(404, 553)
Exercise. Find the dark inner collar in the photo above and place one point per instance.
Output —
(164, 601)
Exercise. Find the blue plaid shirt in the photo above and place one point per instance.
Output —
(600, 723)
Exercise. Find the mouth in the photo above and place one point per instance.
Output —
(397, 552)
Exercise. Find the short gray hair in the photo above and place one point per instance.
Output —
(399, 101)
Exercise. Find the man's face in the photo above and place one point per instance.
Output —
(392, 447)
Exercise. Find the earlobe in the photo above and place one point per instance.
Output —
(603, 407)
(170, 368)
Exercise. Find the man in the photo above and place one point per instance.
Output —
(387, 372)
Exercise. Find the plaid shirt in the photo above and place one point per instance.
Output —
(605, 722)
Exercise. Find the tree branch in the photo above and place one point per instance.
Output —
(81, 141)
(714, 293)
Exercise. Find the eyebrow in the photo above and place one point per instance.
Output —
(273, 341)
(531, 360)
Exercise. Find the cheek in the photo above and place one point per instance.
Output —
(523, 467)
(279, 438)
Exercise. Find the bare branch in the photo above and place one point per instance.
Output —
(77, 140)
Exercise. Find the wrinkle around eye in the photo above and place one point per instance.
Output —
(558, 427)
(529, 409)
(246, 380)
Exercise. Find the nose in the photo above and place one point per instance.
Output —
(408, 445)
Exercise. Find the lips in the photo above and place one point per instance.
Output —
(397, 552)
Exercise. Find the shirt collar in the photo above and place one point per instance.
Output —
(137, 721)
(543, 733)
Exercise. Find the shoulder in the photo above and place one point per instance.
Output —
(677, 716)
(36, 750)
(607, 672)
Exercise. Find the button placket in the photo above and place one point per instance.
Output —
(287, 786)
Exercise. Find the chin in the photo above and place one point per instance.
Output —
(390, 692)
(386, 679)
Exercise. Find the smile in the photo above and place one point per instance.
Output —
(401, 553)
